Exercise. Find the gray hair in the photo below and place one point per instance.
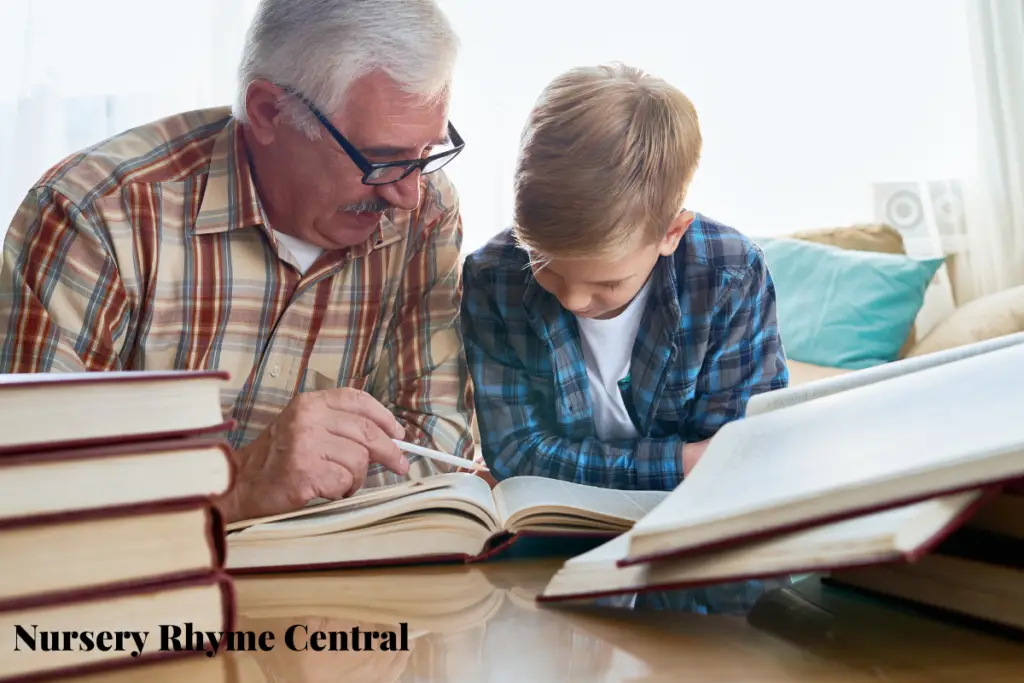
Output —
(319, 47)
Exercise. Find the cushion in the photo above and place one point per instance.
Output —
(803, 373)
(877, 237)
(845, 308)
(995, 315)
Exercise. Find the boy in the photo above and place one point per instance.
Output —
(610, 333)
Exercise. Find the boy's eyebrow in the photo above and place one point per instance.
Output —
(612, 282)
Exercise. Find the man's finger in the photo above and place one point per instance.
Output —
(334, 481)
(376, 445)
(348, 400)
(354, 458)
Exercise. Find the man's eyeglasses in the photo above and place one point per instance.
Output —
(383, 173)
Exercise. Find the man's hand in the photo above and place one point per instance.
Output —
(692, 452)
(320, 446)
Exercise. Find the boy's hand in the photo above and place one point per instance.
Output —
(486, 476)
(692, 452)
(483, 474)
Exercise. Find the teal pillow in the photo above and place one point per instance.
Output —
(843, 308)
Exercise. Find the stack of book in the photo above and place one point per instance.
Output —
(905, 481)
(898, 478)
(977, 571)
(111, 546)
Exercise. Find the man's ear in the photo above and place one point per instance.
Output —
(263, 110)
(675, 233)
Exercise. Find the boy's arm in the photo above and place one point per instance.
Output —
(515, 432)
(745, 355)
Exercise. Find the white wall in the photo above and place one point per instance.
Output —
(803, 103)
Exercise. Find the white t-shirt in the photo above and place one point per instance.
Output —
(607, 350)
(301, 251)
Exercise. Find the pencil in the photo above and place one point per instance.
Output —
(439, 456)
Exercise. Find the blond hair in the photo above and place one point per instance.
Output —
(606, 158)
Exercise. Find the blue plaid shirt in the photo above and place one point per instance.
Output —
(707, 342)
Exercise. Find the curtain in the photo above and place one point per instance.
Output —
(994, 207)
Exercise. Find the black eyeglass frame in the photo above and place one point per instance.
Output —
(370, 167)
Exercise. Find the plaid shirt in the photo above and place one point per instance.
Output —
(151, 251)
(708, 340)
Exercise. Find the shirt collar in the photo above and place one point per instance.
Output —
(229, 201)
(545, 310)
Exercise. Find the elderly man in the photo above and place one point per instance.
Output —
(304, 242)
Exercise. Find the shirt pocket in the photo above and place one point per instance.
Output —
(676, 400)
(317, 381)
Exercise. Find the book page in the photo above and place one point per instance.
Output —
(519, 494)
(466, 494)
(952, 425)
(606, 554)
(791, 396)
(934, 514)
(364, 498)
(877, 537)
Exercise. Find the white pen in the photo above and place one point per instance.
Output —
(439, 456)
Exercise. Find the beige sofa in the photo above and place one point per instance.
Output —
(986, 318)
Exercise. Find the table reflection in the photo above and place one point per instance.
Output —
(482, 624)
(733, 599)
(463, 626)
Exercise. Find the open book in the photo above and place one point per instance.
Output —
(794, 395)
(901, 534)
(440, 518)
(941, 429)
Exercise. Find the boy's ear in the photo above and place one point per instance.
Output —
(675, 233)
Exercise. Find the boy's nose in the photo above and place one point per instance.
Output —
(575, 302)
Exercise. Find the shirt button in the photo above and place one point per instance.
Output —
(275, 371)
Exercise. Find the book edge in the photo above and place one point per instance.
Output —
(810, 522)
(894, 557)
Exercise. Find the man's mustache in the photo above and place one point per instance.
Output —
(376, 206)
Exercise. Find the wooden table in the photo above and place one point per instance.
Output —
(480, 624)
